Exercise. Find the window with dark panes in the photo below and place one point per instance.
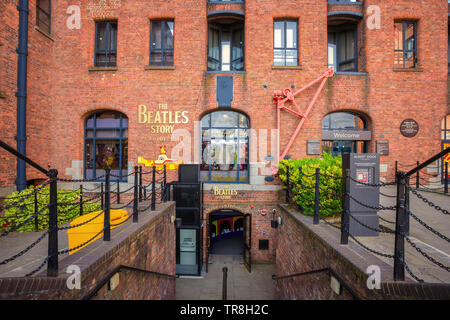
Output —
(285, 47)
(342, 48)
(106, 145)
(106, 44)
(225, 47)
(161, 42)
(225, 147)
(43, 15)
(405, 53)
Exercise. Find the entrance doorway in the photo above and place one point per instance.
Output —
(226, 232)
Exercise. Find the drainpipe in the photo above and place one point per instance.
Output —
(21, 93)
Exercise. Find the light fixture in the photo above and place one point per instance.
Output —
(274, 223)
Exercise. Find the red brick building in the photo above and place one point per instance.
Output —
(110, 80)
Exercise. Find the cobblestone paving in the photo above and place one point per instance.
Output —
(241, 285)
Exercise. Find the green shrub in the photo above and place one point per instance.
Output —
(304, 195)
(16, 215)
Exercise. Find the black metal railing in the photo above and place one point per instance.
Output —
(402, 212)
(105, 281)
(103, 199)
(330, 272)
(421, 177)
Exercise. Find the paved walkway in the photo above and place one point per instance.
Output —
(428, 242)
(241, 285)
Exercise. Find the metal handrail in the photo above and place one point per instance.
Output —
(426, 163)
(118, 269)
(329, 271)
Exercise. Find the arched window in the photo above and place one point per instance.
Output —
(342, 132)
(225, 140)
(106, 145)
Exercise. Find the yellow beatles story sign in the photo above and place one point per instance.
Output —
(225, 193)
(161, 120)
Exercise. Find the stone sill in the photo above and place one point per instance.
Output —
(159, 68)
(215, 72)
(407, 69)
(287, 67)
(103, 68)
(44, 33)
(351, 73)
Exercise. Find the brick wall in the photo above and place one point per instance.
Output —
(147, 245)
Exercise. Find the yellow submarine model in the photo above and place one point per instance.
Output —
(162, 160)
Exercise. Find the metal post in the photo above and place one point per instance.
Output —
(224, 283)
(52, 263)
(140, 183)
(135, 201)
(345, 219)
(165, 176)
(118, 192)
(446, 178)
(316, 198)
(396, 167)
(145, 193)
(399, 250)
(162, 193)
(407, 206)
(101, 193)
(36, 208)
(418, 177)
(287, 184)
(153, 188)
(81, 199)
(107, 221)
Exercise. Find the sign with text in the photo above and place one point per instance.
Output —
(409, 128)
(346, 135)
(383, 147)
(161, 120)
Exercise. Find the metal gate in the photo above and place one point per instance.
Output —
(247, 242)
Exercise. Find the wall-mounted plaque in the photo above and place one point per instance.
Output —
(409, 128)
(313, 147)
(383, 147)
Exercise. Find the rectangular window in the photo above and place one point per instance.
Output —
(161, 43)
(106, 44)
(43, 15)
(342, 48)
(285, 38)
(405, 53)
(226, 47)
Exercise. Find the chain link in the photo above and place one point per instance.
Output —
(424, 254)
(372, 207)
(81, 180)
(21, 253)
(428, 227)
(81, 245)
(370, 228)
(430, 203)
(25, 197)
(381, 184)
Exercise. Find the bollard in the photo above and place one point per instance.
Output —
(101, 193)
(345, 219)
(287, 184)
(396, 167)
(446, 178)
(165, 176)
(400, 217)
(52, 263)
(81, 199)
(118, 192)
(135, 199)
(140, 183)
(36, 222)
(407, 206)
(153, 189)
(145, 193)
(316, 198)
(418, 177)
(224, 283)
(106, 220)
